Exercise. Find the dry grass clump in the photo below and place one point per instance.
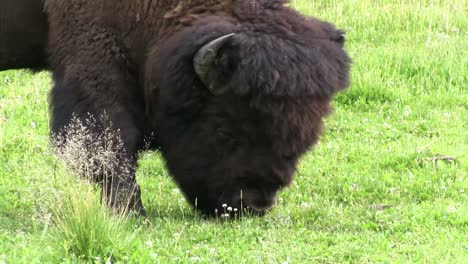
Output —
(88, 153)
(96, 153)
(84, 226)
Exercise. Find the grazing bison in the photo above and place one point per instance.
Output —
(233, 90)
(23, 34)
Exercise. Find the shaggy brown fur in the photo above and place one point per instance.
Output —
(133, 62)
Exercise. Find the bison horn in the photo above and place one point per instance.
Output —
(204, 64)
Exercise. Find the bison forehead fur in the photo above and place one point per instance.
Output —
(235, 90)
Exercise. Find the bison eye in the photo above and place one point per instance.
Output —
(224, 134)
(227, 137)
(289, 157)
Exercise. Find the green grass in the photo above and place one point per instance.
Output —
(405, 111)
(87, 229)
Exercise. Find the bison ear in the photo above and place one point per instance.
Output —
(212, 67)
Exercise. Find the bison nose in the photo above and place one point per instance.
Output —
(262, 205)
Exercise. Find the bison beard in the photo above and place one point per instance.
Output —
(235, 91)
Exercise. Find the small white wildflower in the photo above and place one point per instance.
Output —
(462, 191)
(195, 258)
(305, 205)
(149, 243)
(33, 124)
(176, 234)
(224, 205)
(229, 208)
(153, 255)
(235, 209)
(452, 209)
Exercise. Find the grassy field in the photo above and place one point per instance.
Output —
(386, 184)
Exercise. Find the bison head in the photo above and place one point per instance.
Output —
(240, 98)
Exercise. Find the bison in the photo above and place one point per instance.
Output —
(232, 92)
